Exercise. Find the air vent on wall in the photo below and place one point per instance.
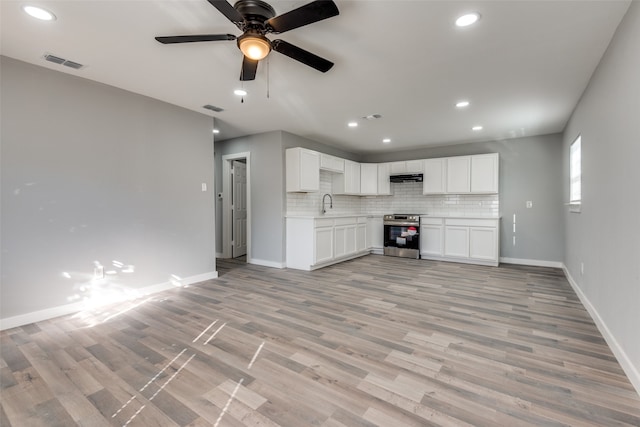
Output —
(213, 108)
(62, 61)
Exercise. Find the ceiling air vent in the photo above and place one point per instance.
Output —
(62, 61)
(213, 108)
(54, 59)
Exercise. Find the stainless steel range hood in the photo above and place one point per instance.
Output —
(407, 177)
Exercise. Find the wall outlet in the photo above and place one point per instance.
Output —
(204, 186)
(581, 268)
(529, 204)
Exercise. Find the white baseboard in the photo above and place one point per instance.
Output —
(532, 262)
(63, 310)
(266, 263)
(632, 371)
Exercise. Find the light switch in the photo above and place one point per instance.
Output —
(204, 186)
(529, 204)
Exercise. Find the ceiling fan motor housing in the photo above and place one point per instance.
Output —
(255, 13)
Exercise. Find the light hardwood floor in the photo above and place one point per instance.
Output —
(377, 341)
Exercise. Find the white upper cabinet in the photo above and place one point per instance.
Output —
(434, 176)
(409, 166)
(331, 163)
(384, 185)
(303, 170)
(459, 174)
(484, 173)
(349, 181)
(369, 179)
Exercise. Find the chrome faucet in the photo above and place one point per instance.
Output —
(330, 202)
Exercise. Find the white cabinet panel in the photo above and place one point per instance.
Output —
(340, 234)
(431, 240)
(323, 244)
(302, 170)
(384, 185)
(331, 163)
(349, 181)
(484, 173)
(456, 241)
(368, 179)
(350, 239)
(459, 174)
(483, 243)
(361, 237)
(434, 176)
(407, 166)
(375, 234)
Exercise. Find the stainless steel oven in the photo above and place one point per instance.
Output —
(402, 235)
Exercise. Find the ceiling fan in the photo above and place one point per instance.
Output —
(255, 19)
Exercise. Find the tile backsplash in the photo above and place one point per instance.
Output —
(406, 198)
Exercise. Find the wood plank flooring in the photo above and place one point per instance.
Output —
(376, 341)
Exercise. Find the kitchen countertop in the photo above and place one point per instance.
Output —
(319, 216)
(462, 216)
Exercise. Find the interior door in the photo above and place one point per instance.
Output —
(239, 208)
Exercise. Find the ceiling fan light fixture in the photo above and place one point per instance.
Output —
(254, 46)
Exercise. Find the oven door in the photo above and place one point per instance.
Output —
(402, 239)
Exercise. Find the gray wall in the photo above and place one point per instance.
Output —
(605, 236)
(530, 169)
(94, 173)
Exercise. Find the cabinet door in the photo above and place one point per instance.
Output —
(339, 243)
(458, 174)
(414, 166)
(331, 163)
(303, 170)
(384, 185)
(456, 241)
(431, 239)
(354, 181)
(434, 176)
(368, 178)
(350, 239)
(324, 244)
(484, 173)
(398, 167)
(483, 243)
(375, 233)
(361, 237)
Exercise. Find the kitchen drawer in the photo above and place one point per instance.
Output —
(324, 222)
(346, 221)
(471, 222)
(430, 221)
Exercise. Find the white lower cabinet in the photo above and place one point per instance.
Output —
(469, 240)
(317, 242)
(375, 235)
(431, 237)
(456, 241)
(323, 245)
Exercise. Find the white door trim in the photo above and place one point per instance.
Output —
(226, 203)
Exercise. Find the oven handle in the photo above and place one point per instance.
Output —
(402, 223)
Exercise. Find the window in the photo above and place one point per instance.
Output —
(575, 172)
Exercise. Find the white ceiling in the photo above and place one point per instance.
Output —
(523, 67)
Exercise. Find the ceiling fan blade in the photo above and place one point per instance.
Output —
(301, 55)
(195, 38)
(229, 11)
(304, 15)
(249, 68)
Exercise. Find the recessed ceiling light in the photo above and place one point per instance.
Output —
(240, 92)
(476, 128)
(386, 140)
(462, 104)
(216, 131)
(353, 124)
(468, 19)
(39, 13)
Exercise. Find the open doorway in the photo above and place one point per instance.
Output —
(236, 206)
